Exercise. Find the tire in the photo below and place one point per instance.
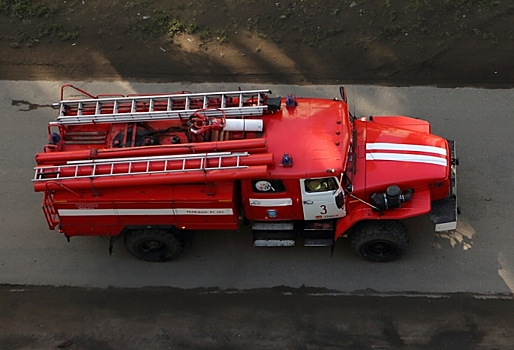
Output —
(153, 245)
(380, 241)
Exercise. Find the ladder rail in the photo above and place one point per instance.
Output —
(153, 158)
(159, 115)
(237, 93)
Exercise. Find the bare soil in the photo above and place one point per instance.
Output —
(412, 42)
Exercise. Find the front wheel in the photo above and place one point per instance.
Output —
(380, 241)
(153, 244)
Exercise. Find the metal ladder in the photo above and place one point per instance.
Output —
(159, 107)
(139, 165)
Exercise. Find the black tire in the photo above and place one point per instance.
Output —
(153, 244)
(380, 241)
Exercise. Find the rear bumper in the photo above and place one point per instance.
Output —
(444, 211)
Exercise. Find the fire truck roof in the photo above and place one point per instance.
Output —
(307, 137)
(314, 134)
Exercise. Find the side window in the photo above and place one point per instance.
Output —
(321, 185)
(268, 186)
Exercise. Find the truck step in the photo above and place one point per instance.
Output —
(273, 226)
(321, 225)
(318, 242)
(274, 243)
(273, 234)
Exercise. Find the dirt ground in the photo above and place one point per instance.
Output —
(277, 318)
(411, 42)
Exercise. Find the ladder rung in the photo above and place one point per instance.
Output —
(79, 108)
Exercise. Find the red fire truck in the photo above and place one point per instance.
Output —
(152, 169)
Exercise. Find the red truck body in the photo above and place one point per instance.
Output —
(153, 168)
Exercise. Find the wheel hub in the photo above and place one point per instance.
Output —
(150, 245)
(379, 248)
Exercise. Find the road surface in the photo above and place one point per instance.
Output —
(477, 260)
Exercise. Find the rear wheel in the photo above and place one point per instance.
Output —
(380, 241)
(153, 244)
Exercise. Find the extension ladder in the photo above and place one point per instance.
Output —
(140, 165)
(160, 107)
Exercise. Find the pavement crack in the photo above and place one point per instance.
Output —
(26, 106)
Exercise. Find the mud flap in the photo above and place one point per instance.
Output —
(444, 212)
(113, 240)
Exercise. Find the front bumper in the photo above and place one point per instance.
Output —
(444, 212)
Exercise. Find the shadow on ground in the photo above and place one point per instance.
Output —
(276, 318)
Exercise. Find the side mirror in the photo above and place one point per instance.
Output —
(340, 200)
(342, 92)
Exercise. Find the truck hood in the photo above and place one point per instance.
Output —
(407, 158)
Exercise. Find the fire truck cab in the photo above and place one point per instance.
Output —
(152, 169)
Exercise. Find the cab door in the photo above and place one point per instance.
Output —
(319, 198)
(270, 199)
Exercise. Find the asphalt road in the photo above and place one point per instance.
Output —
(38, 317)
(478, 259)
